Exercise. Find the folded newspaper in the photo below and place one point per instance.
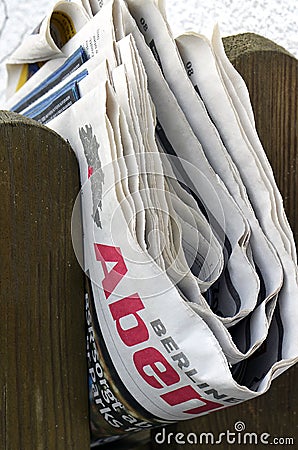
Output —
(191, 303)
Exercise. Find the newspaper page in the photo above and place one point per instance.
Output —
(158, 370)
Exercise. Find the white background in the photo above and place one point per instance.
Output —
(275, 19)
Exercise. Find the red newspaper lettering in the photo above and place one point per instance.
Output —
(104, 254)
(150, 361)
(186, 393)
(125, 312)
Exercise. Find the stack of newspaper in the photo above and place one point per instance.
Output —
(193, 299)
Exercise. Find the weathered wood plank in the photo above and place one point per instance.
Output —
(44, 393)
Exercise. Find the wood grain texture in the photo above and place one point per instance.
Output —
(270, 73)
(44, 393)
